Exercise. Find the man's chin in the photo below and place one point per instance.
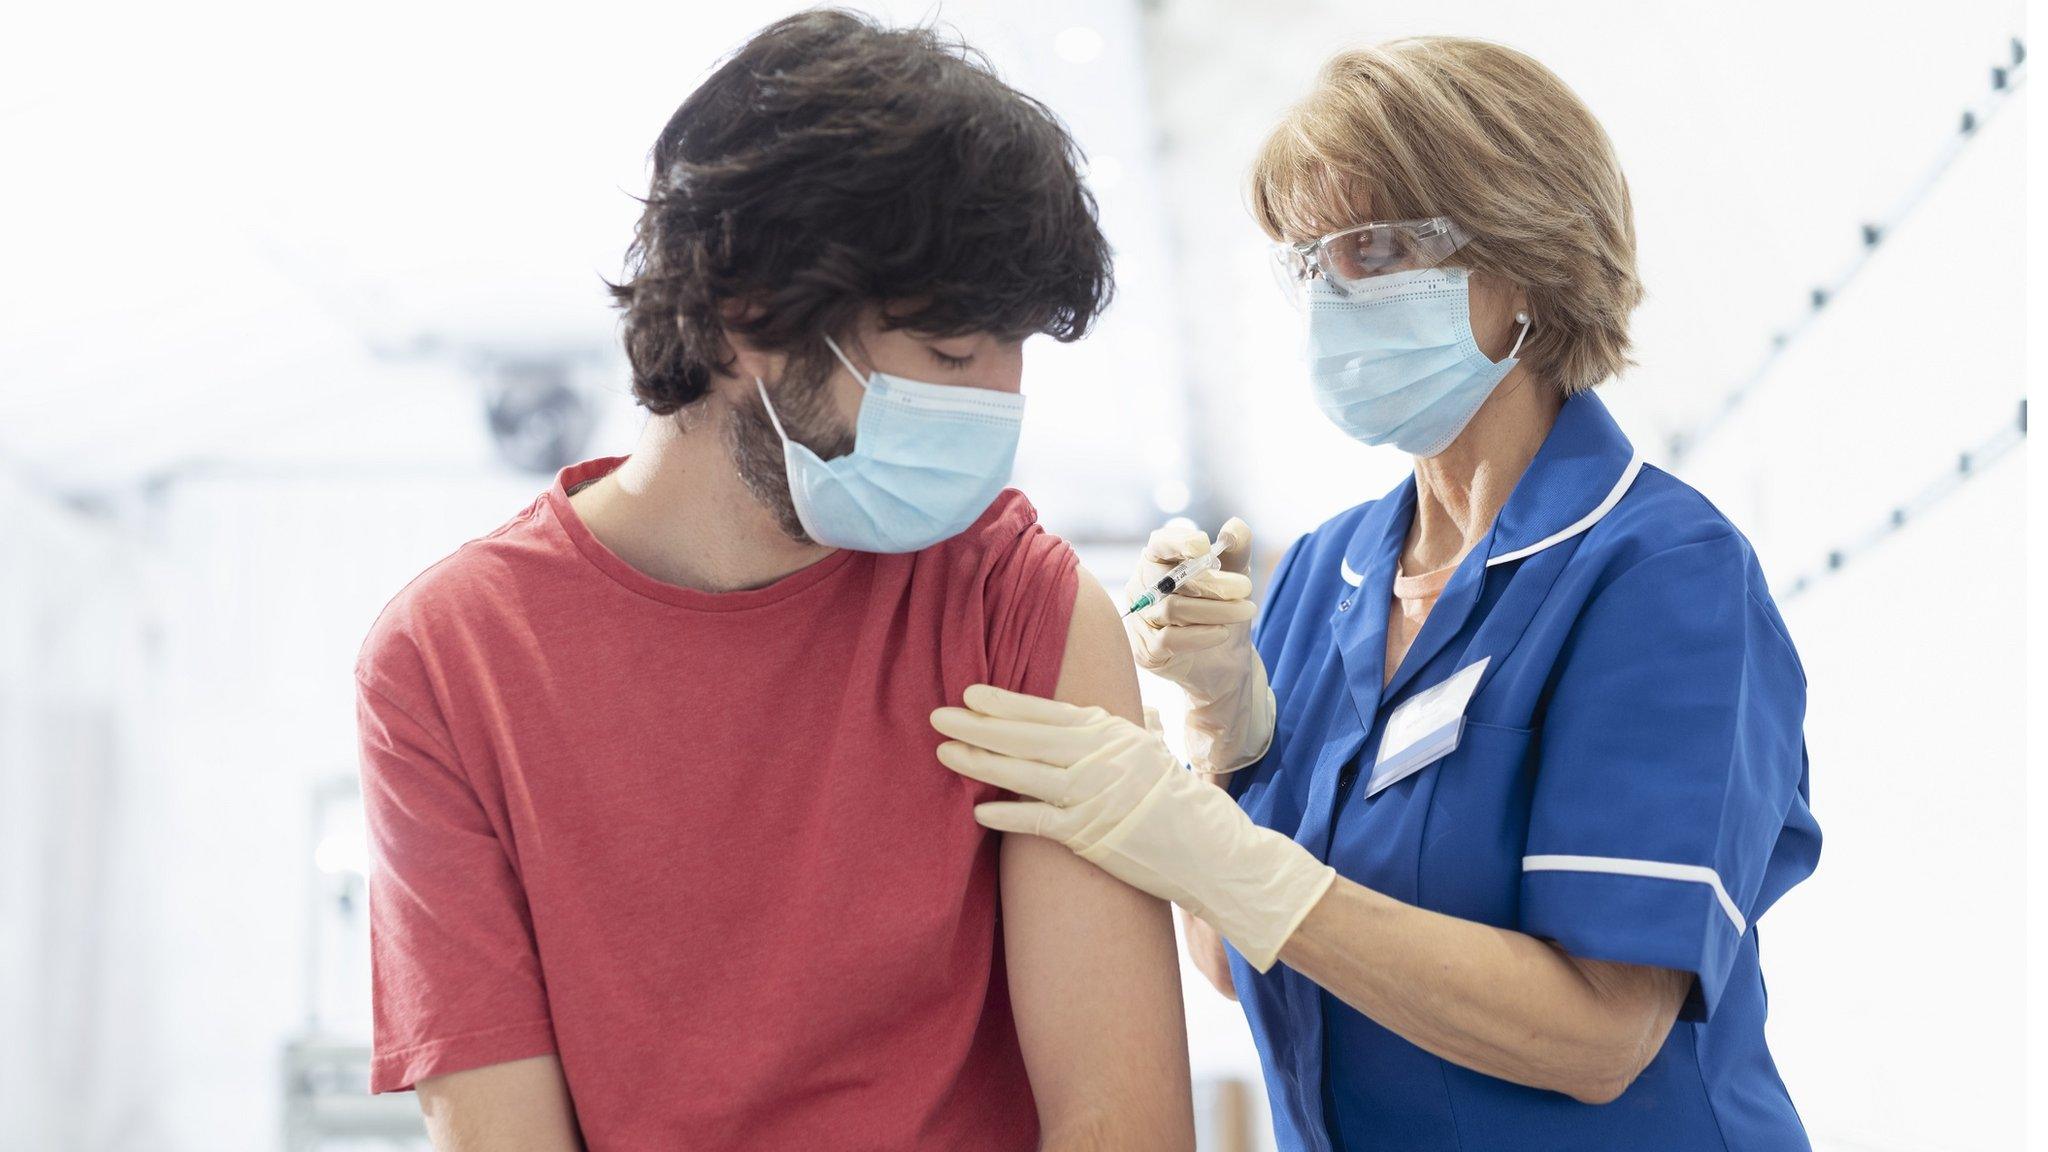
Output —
(772, 494)
(756, 453)
(786, 519)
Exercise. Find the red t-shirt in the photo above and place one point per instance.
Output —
(697, 844)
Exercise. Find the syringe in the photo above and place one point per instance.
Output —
(1179, 574)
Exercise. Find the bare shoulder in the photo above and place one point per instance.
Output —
(1097, 668)
(1094, 984)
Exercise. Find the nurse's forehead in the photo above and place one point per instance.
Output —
(1314, 216)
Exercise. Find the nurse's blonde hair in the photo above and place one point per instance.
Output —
(1481, 133)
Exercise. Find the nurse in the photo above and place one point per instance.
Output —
(1488, 803)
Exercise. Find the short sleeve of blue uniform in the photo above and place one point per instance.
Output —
(1670, 800)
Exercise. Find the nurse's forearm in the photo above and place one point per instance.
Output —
(1490, 999)
(1205, 950)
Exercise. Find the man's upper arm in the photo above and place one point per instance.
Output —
(518, 1106)
(1094, 977)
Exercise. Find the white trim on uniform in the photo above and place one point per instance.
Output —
(1655, 869)
(1614, 495)
(1628, 477)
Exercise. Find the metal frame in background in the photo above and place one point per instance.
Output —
(1969, 465)
(326, 1070)
(2006, 79)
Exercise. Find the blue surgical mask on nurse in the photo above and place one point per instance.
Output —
(1394, 360)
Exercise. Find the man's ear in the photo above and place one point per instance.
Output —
(746, 362)
(742, 357)
(746, 359)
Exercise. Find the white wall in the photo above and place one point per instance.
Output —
(70, 648)
(1897, 973)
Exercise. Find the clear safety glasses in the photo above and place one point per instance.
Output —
(1350, 259)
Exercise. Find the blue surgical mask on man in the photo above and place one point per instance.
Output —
(927, 460)
(1394, 361)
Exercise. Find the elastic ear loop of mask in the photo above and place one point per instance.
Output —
(1524, 318)
(834, 345)
(770, 405)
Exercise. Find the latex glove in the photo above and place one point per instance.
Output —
(1114, 794)
(1201, 639)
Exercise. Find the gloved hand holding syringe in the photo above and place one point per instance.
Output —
(1190, 621)
(1179, 574)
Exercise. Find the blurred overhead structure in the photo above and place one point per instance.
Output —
(2006, 79)
(1969, 464)
(539, 421)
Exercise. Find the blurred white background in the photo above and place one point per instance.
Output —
(263, 268)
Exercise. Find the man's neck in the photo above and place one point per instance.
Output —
(678, 511)
(1459, 491)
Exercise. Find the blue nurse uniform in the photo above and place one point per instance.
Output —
(1630, 782)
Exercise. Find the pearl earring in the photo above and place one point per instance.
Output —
(1521, 318)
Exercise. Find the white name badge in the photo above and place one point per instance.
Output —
(1425, 729)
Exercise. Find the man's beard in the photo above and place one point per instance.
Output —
(807, 415)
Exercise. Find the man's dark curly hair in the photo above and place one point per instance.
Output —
(833, 164)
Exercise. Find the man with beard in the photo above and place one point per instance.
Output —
(662, 851)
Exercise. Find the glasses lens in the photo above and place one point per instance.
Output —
(1290, 268)
(1361, 254)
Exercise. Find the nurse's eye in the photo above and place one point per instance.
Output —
(1390, 253)
(1369, 253)
(953, 362)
